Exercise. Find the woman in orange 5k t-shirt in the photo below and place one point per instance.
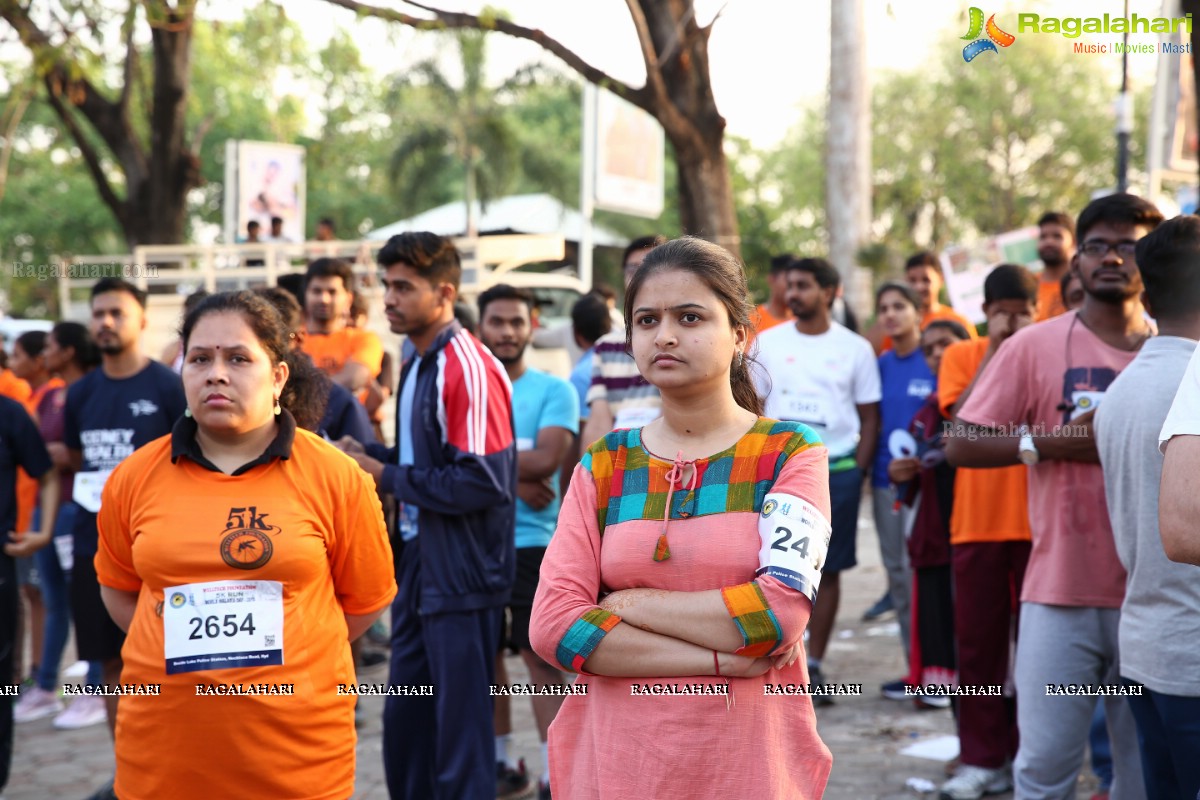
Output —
(242, 556)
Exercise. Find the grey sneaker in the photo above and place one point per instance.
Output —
(972, 783)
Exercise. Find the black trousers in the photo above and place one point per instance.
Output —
(9, 606)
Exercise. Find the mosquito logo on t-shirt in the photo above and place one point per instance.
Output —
(142, 408)
(246, 544)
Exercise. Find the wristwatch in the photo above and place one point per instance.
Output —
(1026, 451)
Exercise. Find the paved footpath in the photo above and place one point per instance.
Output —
(864, 733)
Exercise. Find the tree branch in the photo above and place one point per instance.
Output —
(90, 156)
(642, 98)
(61, 75)
(20, 99)
(202, 129)
(654, 78)
(130, 61)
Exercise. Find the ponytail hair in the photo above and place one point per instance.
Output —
(725, 276)
(75, 336)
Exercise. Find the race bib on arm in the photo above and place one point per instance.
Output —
(794, 540)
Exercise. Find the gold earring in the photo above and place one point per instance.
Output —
(278, 410)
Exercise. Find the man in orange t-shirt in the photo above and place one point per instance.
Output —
(775, 310)
(27, 488)
(351, 357)
(989, 537)
(923, 272)
(13, 387)
(1056, 248)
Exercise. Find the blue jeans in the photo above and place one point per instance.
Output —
(1098, 743)
(1168, 728)
(54, 597)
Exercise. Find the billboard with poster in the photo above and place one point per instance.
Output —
(629, 158)
(965, 267)
(264, 180)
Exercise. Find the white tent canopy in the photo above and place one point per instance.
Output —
(523, 213)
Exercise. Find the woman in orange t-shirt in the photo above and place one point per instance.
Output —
(241, 555)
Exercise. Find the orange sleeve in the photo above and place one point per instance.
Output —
(13, 387)
(1050, 303)
(966, 323)
(114, 553)
(955, 374)
(368, 351)
(28, 490)
(770, 614)
(360, 555)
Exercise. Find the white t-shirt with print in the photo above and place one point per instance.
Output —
(818, 380)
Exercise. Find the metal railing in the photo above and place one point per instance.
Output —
(184, 268)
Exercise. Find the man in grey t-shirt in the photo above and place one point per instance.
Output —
(1160, 618)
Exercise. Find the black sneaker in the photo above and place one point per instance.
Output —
(512, 784)
(104, 793)
(817, 678)
(371, 658)
(882, 606)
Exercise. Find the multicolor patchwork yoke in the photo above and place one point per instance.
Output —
(710, 507)
(633, 519)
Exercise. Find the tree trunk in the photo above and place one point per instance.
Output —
(705, 193)
(678, 93)
(688, 113)
(157, 178)
(848, 147)
(161, 194)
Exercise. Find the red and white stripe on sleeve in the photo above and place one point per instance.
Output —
(474, 397)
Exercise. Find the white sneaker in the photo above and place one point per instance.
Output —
(972, 783)
(36, 703)
(84, 711)
(77, 670)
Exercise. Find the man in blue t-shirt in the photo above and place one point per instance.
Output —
(546, 417)
(21, 447)
(110, 412)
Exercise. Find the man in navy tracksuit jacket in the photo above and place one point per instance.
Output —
(454, 473)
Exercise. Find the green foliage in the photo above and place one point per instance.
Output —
(348, 159)
(234, 92)
(472, 140)
(958, 151)
(50, 209)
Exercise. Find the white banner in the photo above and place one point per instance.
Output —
(629, 158)
(264, 180)
(966, 267)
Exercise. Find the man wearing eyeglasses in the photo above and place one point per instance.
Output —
(1034, 404)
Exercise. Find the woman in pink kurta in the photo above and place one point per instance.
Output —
(679, 588)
